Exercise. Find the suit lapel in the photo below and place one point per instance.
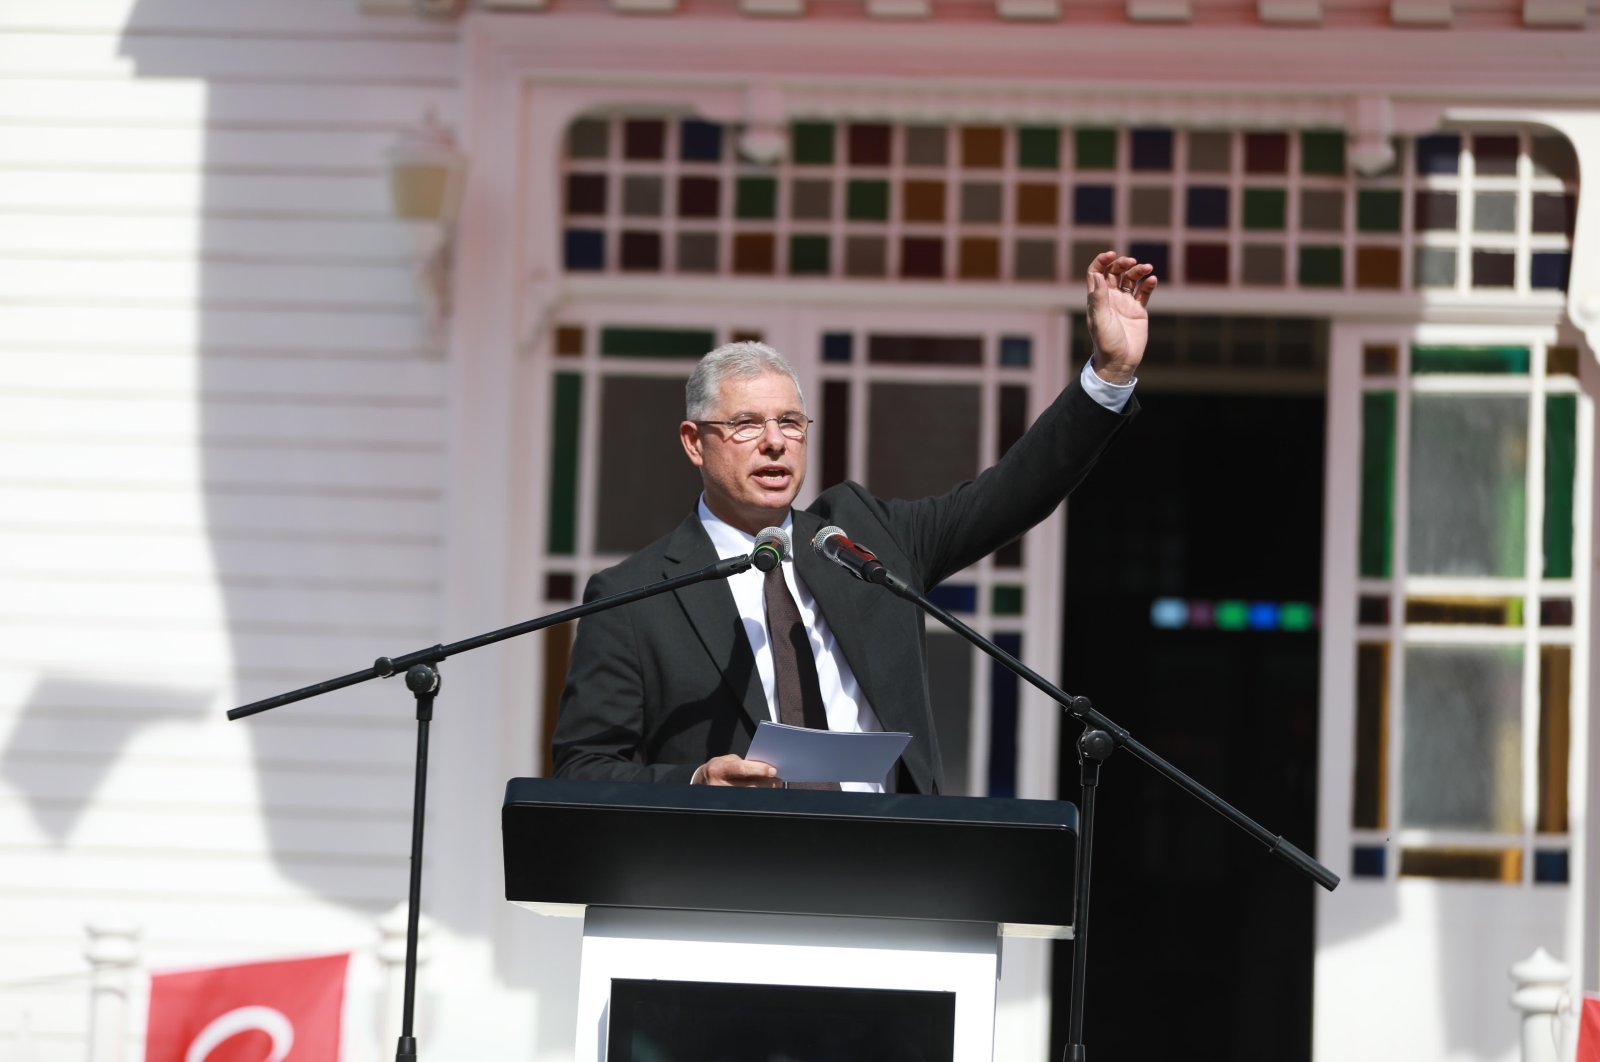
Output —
(711, 612)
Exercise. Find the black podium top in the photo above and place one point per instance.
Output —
(620, 844)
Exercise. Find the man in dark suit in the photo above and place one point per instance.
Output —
(670, 689)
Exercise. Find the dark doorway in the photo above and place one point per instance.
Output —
(1202, 942)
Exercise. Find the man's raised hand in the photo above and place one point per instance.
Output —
(1119, 290)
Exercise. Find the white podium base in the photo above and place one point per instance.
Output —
(962, 958)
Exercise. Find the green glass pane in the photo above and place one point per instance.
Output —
(812, 143)
(1378, 210)
(1321, 267)
(808, 254)
(867, 201)
(1322, 152)
(655, 342)
(1466, 493)
(1264, 208)
(1007, 601)
(1560, 470)
(1038, 147)
(1096, 149)
(1377, 484)
(756, 197)
(566, 401)
(1495, 361)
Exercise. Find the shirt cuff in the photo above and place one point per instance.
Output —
(1112, 396)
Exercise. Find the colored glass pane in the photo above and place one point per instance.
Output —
(1494, 212)
(924, 350)
(922, 257)
(952, 665)
(697, 252)
(1006, 601)
(1445, 610)
(1554, 214)
(1378, 268)
(811, 200)
(1512, 361)
(644, 139)
(1322, 152)
(569, 340)
(1013, 419)
(642, 197)
(1380, 359)
(699, 141)
(755, 197)
(1016, 352)
(586, 193)
(566, 405)
(1265, 208)
(1560, 479)
(1550, 867)
(1210, 152)
(1555, 737)
(808, 254)
(1151, 150)
(1438, 154)
(926, 145)
(1262, 265)
(980, 258)
(1266, 153)
(955, 597)
(1157, 253)
(1377, 484)
(589, 138)
(1495, 156)
(1378, 210)
(867, 200)
(1207, 208)
(1553, 156)
(560, 586)
(1561, 361)
(1093, 204)
(1435, 211)
(1549, 270)
(838, 346)
(1038, 147)
(656, 342)
(1460, 762)
(980, 202)
(983, 147)
(1150, 207)
(1463, 864)
(1372, 610)
(1493, 269)
(834, 433)
(1321, 267)
(754, 253)
(1034, 260)
(584, 249)
(1095, 149)
(1321, 210)
(1004, 703)
(699, 197)
(1467, 501)
(811, 143)
(865, 256)
(1366, 861)
(922, 201)
(637, 446)
(1205, 263)
(1435, 267)
(921, 437)
(868, 144)
(1037, 204)
(640, 252)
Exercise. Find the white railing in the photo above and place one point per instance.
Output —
(1543, 994)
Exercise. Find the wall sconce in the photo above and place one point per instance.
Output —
(426, 174)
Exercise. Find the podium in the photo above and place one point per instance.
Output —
(758, 923)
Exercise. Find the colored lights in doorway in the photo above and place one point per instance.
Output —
(1230, 614)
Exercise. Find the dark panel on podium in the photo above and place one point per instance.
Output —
(964, 859)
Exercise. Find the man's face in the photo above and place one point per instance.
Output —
(749, 484)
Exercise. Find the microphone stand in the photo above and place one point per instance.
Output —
(1100, 738)
(422, 678)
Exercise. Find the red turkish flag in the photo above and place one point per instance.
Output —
(255, 1012)
(1589, 1030)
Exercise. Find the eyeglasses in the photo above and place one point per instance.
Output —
(746, 429)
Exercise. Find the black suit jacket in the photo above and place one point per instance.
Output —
(658, 687)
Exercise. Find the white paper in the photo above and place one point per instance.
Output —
(802, 754)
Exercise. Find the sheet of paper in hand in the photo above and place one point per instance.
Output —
(804, 755)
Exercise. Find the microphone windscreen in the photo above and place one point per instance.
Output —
(778, 538)
(819, 541)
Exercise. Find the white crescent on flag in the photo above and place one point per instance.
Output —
(242, 1019)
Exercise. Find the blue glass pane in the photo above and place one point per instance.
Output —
(955, 597)
(1550, 866)
(1263, 616)
(1438, 154)
(838, 346)
(1003, 701)
(1156, 253)
(1208, 208)
(700, 141)
(1549, 270)
(1152, 149)
(1016, 351)
(585, 249)
(1366, 862)
(1093, 204)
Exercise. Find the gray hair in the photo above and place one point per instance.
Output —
(732, 361)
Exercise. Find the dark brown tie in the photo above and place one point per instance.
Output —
(793, 665)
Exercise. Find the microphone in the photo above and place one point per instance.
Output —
(772, 548)
(832, 543)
